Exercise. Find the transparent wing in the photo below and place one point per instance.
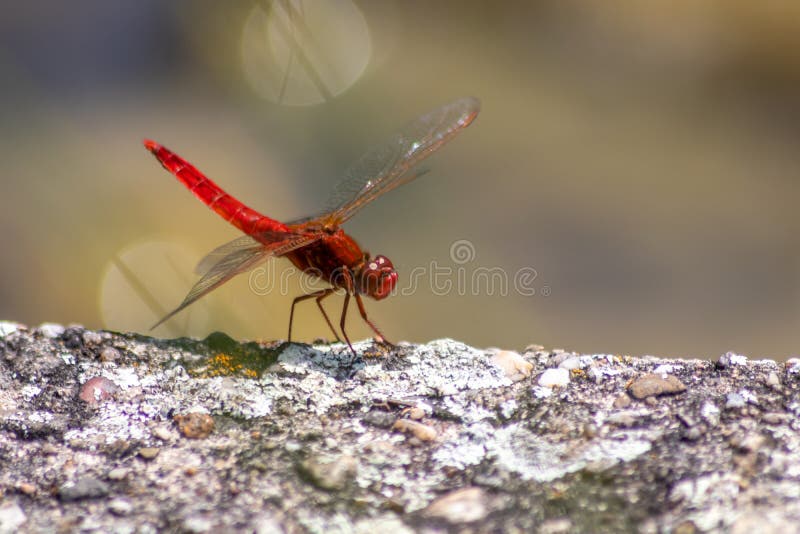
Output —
(245, 243)
(214, 257)
(386, 167)
(242, 256)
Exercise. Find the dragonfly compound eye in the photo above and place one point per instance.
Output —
(378, 278)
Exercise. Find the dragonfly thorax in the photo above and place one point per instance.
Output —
(377, 277)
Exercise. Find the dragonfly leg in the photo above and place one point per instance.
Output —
(328, 291)
(341, 323)
(349, 288)
(319, 295)
(380, 337)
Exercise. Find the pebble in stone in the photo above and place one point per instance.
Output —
(554, 378)
(420, 431)
(109, 354)
(559, 355)
(562, 525)
(267, 523)
(623, 419)
(329, 473)
(513, 364)
(571, 363)
(118, 473)
(460, 506)
(26, 488)
(161, 433)
(693, 434)
(12, 517)
(774, 418)
(293, 446)
(92, 338)
(148, 453)
(686, 527)
(652, 385)
(194, 425)
(622, 402)
(83, 488)
(751, 443)
(386, 523)
(120, 507)
(416, 413)
(773, 522)
(97, 389)
(772, 379)
(72, 337)
(50, 330)
(197, 524)
(379, 419)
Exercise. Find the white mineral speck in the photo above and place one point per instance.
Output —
(30, 391)
(508, 408)
(666, 369)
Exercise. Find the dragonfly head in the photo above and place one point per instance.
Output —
(378, 277)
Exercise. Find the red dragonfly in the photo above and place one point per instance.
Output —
(318, 244)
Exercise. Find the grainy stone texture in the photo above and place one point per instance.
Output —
(295, 438)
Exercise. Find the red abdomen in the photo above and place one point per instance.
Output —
(232, 210)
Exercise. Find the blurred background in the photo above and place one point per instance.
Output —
(637, 162)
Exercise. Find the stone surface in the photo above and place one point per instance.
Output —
(297, 438)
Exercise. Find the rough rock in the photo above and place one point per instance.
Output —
(298, 438)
